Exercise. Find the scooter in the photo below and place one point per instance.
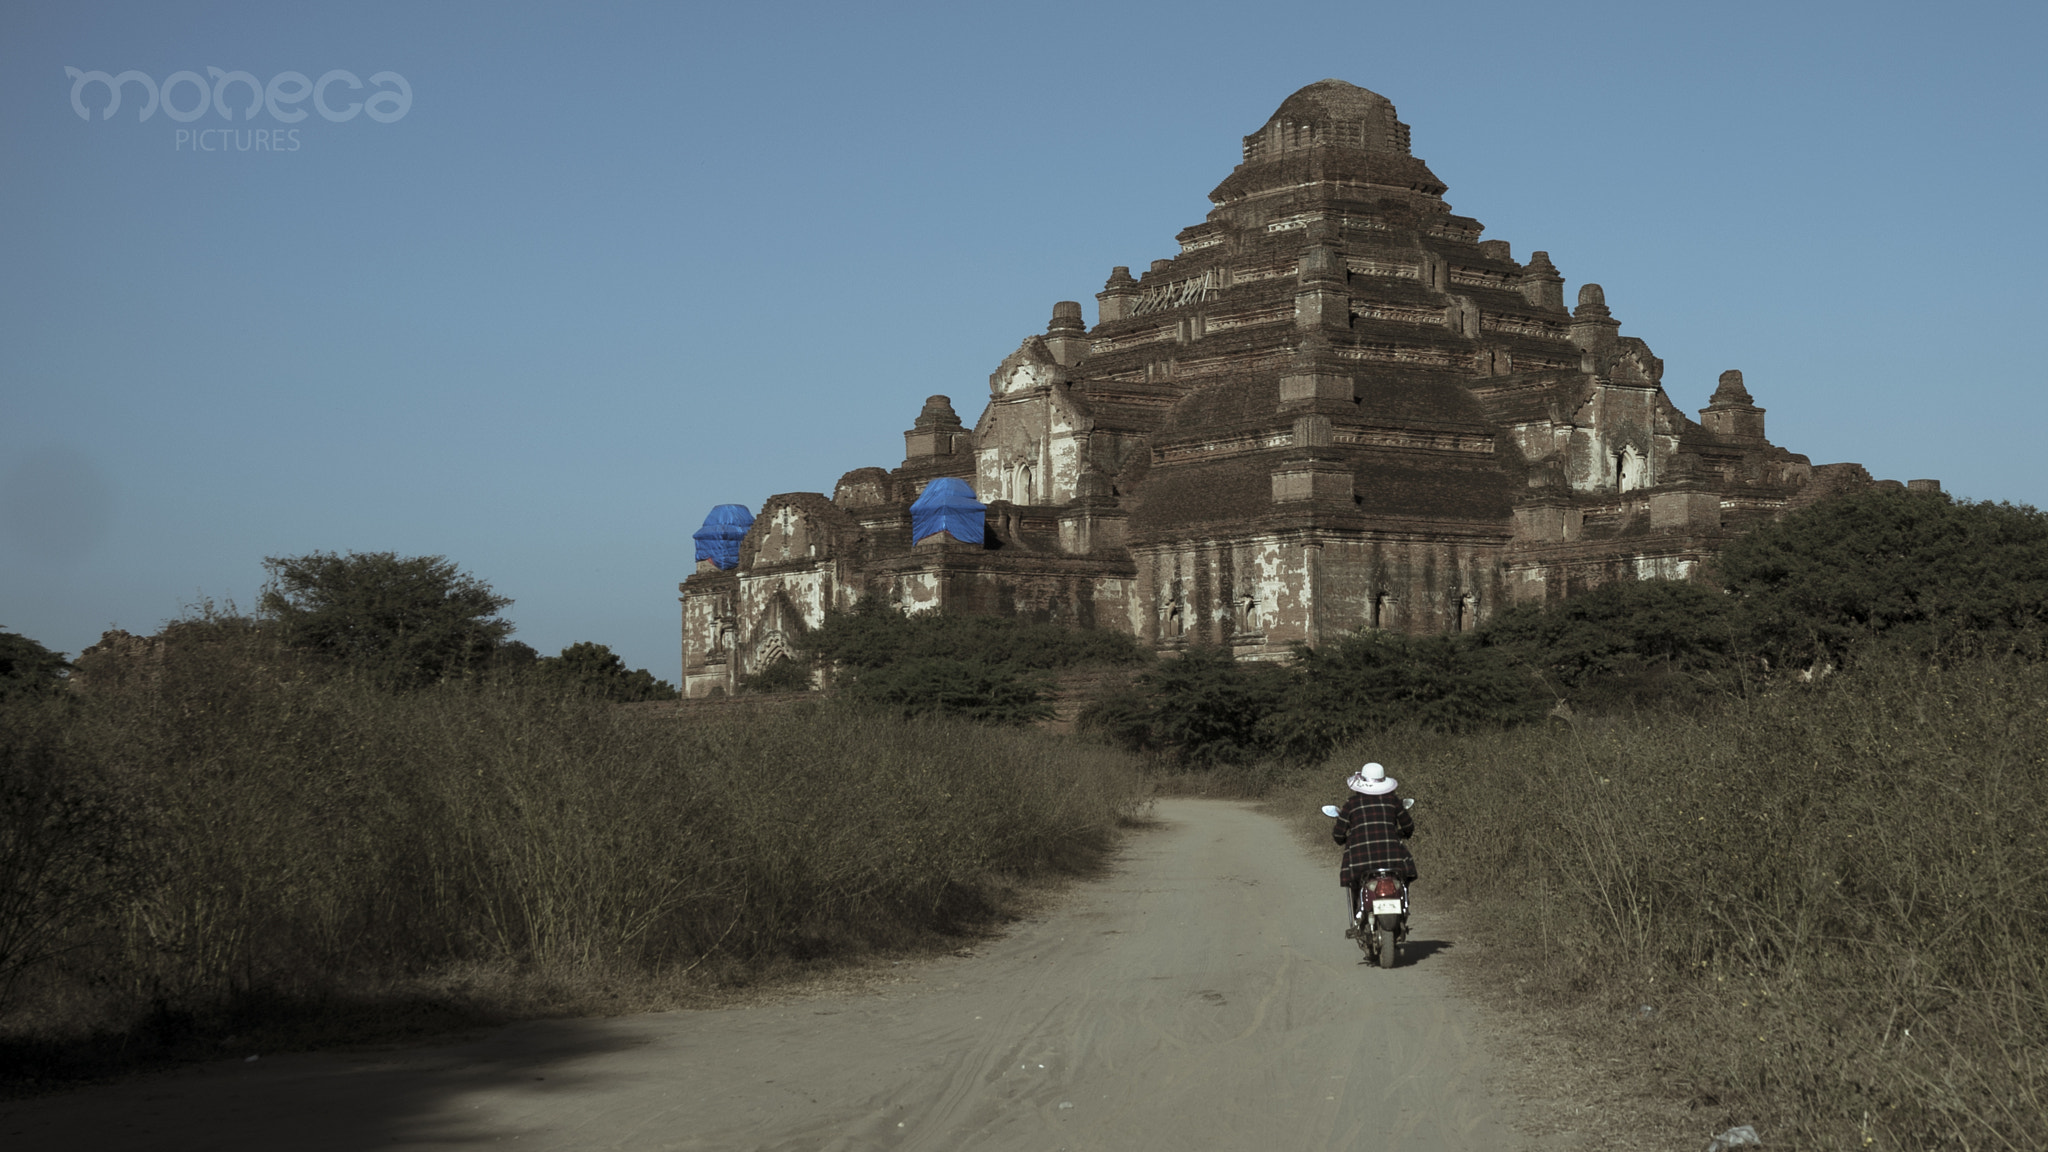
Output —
(1381, 918)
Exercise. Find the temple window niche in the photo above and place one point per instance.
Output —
(1628, 470)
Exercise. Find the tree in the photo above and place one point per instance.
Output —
(992, 669)
(1631, 642)
(1367, 682)
(782, 674)
(1200, 710)
(514, 657)
(404, 620)
(594, 670)
(1208, 707)
(941, 686)
(1935, 575)
(28, 668)
(874, 634)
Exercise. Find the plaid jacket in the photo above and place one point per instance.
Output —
(1371, 829)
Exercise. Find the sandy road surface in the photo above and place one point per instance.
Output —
(1199, 997)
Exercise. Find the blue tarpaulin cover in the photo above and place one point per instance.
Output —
(719, 539)
(947, 505)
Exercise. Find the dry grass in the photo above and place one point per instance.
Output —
(252, 849)
(1819, 912)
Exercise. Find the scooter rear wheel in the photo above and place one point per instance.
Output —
(1384, 939)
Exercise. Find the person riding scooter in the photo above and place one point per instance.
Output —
(1371, 825)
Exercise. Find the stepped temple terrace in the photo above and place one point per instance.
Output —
(1336, 407)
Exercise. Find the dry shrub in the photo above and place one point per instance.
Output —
(1820, 911)
(285, 835)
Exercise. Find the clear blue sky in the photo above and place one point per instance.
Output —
(616, 265)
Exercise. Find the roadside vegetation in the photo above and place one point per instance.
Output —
(993, 670)
(247, 833)
(1780, 853)
(1817, 910)
(1911, 576)
(1773, 844)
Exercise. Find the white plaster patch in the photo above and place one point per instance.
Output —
(918, 592)
(1026, 376)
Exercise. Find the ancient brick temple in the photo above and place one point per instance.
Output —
(1337, 407)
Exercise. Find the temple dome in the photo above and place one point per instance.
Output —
(1331, 101)
(1330, 132)
(1329, 112)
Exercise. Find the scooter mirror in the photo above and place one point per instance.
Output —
(1330, 810)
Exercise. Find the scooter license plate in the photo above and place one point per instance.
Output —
(1386, 907)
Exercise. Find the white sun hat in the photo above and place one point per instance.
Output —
(1372, 780)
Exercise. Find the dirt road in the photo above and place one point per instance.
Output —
(1200, 997)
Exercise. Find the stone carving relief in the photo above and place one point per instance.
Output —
(774, 646)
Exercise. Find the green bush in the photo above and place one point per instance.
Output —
(1941, 577)
(992, 669)
(1633, 643)
(873, 635)
(782, 674)
(1207, 708)
(939, 686)
(595, 670)
(1202, 709)
(28, 668)
(405, 620)
(1367, 683)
